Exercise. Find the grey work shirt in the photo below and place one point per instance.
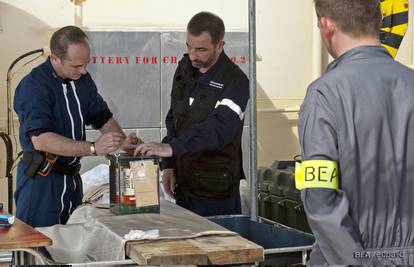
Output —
(360, 113)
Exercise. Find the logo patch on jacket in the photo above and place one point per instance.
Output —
(216, 84)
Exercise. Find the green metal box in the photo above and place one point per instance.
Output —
(122, 190)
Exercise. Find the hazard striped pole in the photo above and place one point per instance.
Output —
(394, 24)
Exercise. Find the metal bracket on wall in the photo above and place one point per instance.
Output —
(78, 12)
(77, 2)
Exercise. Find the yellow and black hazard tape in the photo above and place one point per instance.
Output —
(394, 24)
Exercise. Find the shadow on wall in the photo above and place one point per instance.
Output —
(277, 137)
(20, 32)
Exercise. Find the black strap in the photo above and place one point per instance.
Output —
(35, 161)
(391, 39)
(71, 170)
(395, 20)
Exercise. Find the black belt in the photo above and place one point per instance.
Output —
(71, 170)
(61, 168)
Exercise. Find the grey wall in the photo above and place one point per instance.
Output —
(128, 77)
(134, 71)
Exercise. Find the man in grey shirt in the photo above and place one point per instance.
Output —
(356, 131)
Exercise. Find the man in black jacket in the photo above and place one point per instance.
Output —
(202, 155)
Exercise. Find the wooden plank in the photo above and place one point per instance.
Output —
(172, 252)
(196, 251)
(21, 235)
(230, 250)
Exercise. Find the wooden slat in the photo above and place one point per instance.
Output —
(21, 235)
(230, 250)
(196, 251)
(174, 252)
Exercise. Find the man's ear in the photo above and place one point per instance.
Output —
(55, 59)
(220, 46)
(327, 26)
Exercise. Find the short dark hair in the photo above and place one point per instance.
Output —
(354, 17)
(207, 22)
(64, 37)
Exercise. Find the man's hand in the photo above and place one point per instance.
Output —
(130, 143)
(154, 149)
(108, 142)
(168, 181)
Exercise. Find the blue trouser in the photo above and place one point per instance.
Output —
(206, 206)
(46, 200)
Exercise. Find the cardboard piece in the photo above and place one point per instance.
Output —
(145, 179)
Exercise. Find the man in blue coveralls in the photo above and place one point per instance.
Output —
(54, 103)
(202, 164)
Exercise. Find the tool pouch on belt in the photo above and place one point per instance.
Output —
(40, 163)
(48, 163)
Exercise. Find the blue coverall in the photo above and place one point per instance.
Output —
(44, 102)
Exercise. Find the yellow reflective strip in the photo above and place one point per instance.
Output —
(389, 7)
(316, 174)
(399, 6)
(298, 176)
(391, 50)
(400, 29)
(386, 29)
(386, 8)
